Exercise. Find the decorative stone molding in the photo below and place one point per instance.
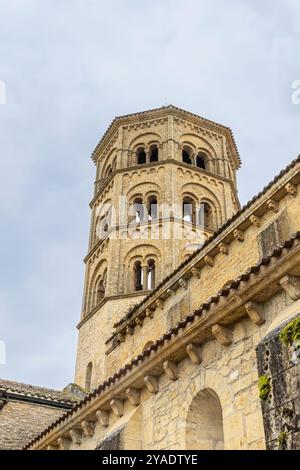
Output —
(273, 205)
(255, 220)
(151, 383)
(182, 283)
(129, 330)
(238, 235)
(254, 312)
(88, 428)
(209, 260)
(76, 436)
(64, 443)
(223, 248)
(196, 272)
(222, 334)
(194, 353)
(133, 395)
(103, 417)
(149, 312)
(291, 285)
(291, 189)
(117, 406)
(159, 303)
(121, 337)
(139, 321)
(170, 292)
(171, 370)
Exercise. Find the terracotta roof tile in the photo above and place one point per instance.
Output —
(8, 386)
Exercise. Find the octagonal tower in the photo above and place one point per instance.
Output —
(165, 181)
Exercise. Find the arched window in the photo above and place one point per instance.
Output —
(88, 376)
(138, 276)
(153, 153)
(138, 210)
(206, 216)
(186, 155)
(151, 274)
(100, 293)
(201, 160)
(152, 208)
(141, 156)
(108, 172)
(188, 210)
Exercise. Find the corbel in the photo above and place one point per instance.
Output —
(159, 303)
(255, 220)
(182, 283)
(222, 334)
(194, 353)
(149, 312)
(273, 205)
(121, 337)
(238, 235)
(133, 395)
(291, 189)
(223, 248)
(139, 321)
(103, 417)
(291, 285)
(117, 407)
(254, 312)
(209, 260)
(129, 330)
(88, 428)
(151, 383)
(64, 443)
(196, 272)
(76, 436)
(171, 370)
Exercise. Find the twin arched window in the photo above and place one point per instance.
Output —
(203, 216)
(147, 157)
(200, 160)
(144, 276)
(143, 211)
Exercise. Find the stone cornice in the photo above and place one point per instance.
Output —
(110, 297)
(160, 163)
(226, 307)
(159, 113)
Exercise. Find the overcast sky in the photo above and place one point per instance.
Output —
(69, 67)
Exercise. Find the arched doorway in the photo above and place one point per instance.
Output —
(204, 426)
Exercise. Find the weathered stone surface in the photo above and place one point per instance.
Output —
(281, 412)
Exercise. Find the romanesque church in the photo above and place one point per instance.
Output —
(189, 334)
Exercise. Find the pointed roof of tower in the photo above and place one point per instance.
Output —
(167, 111)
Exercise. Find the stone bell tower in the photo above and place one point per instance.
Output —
(165, 181)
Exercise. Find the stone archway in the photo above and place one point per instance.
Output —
(204, 424)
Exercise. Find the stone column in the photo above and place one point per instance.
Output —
(145, 276)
